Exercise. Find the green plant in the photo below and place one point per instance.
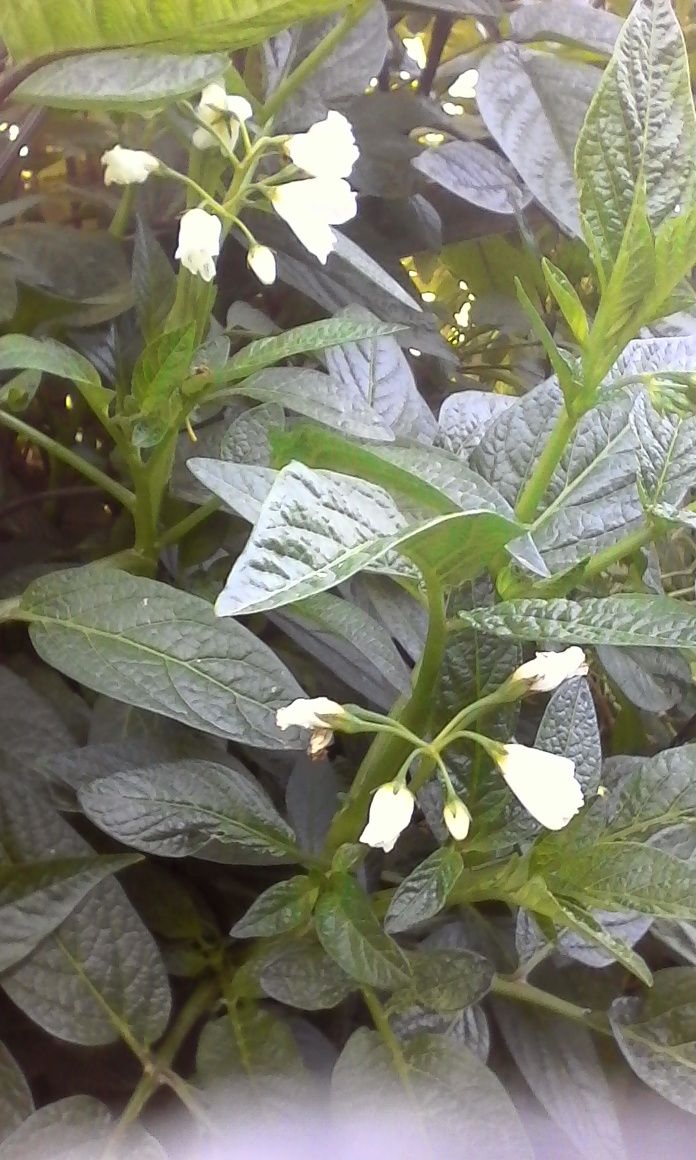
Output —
(401, 561)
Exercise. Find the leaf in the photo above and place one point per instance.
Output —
(176, 808)
(465, 417)
(247, 439)
(653, 679)
(450, 1094)
(162, 367)
(118, 79)
(666, 450)
(351, 934)
(534, 104)
(656, 1032)
(568, 23)
(37, 896)
(445, 980)
(45, 354)
(29, 725)
(99, 975)
(513, 441)
(560, 1063)
(569, 728)
(301, 974)
(108, 24)
(568, 299)
(150, 645)
(153, 279)
(319, 397)
(640, 128)
(242, 487)
(627, 619)
(378, 368)
(16, 1103)
(424, 892)
(468, 1027)
(282, 907)
(312, 336)
(476, 174)
(247, 1044)
(316, 529)
(77, 1128)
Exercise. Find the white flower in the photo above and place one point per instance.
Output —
(308, 713)
(457, 818)
(199, 242)
(328, 149)
(391, 810)
(127, 166)
(311, 207)
(548, 670)
(262, 261)
(544, 783)
(225, 113)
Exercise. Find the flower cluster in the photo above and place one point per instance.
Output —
(311, 194)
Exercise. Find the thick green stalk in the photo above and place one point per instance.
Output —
(536, 485)
(527, 993)
(388, 752)
(111, 486)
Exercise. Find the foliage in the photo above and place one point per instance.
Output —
(386, 477)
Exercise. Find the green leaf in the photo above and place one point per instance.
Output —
(666, 450)
(99, 975)
(640, 129)
(118, 79)
(37, 896)
(77, 1128)
(533, 104)
(150, 645)
(162, 367)
(378, 368)
(312, 336)
(513, 441)
(630, 619)
(558, 360)
(249, 1044)
(351, 934)
(283, 907)
(47, 355)
(16, 1103)
(242, 487)
(29, 724)
(247, 439)
(317, 396)
(450, 1094)
(568, 300)
(318, 528)
(445, 980)
(656, 1032)
(584, 924)
(476, 174)
(153, 280)
(569, 728)
(19, 391)
(650, 678)
(301, 974)
(566, 24)
(562, 1066)
(224, 24)
(424, 892)
(175, 809)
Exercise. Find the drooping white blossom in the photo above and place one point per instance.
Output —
(328, 149)
(262, 262)
(457, 818)
(548, 670)
(127, 166)
(199, 242)
(544, 782)
(308, 713)
(391, 810)
(310, 207)
(224, 113)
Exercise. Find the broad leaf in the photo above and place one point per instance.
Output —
(424, 892)
(445, 980)
(242, 487)
(301, 974)
(319, 397)
(16, 1103)
(311, 799)
(162, 367)
(666, 450)
(465, 416)
(652, 679)
(246, 1044)
(350, 933)
(476, 174)
(77, 1128)
(534, 104)
(108, 24)
(150, 645)
(176, 809)
(630, 619)
(570, 23)
(318, 528)
(29, 724)
(569, 728)
(313, 336)
(118, 79)
(283, 907)
(19, 351)
(153, 280)
(562, 1067)
(656, 1032)
(640, 128)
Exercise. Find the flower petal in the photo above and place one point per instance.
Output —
(544, 782)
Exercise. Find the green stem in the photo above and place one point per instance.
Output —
(198, 1003)
(71, 459)
(383, 1026)
(536, 485)
(527, 993)
(9, 607)
(177, 531)
(124, 211)
(387, 752)
(310, 63)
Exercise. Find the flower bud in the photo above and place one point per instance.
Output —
(262, 262)
(457, 818)
(199, 242)
(127, 166)
(391, 810)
